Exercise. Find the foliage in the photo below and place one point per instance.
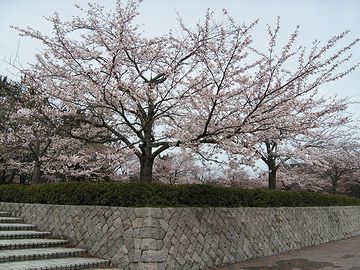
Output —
(332, 165)
(139, 194)
(35, 146)
(207, 88)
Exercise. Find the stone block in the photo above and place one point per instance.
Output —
(148, 244)
(141, 212)
(138, 223)
(154, 255)
(163, 224)
(149, 232)
(156, 213)
(151, 222)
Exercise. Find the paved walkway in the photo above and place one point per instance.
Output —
(343, 254)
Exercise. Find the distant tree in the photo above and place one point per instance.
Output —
(177, 168)
(281, 148)
(207, 88)
(33, 141)
(331, 165)
(302, 176)
(340, 160)
(9, 94)
(301, 117)
(233, 175)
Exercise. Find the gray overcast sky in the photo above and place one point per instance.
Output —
(318, 19)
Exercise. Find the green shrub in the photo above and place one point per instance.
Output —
(137, 194)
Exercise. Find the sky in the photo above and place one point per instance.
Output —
(318, 19)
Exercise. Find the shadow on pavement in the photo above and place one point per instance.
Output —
(302, 264)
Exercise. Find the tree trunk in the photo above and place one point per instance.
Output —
(272, 172)
(335, 183)
(270, 160)
(146, 168)
(35, 177)
(272, 178)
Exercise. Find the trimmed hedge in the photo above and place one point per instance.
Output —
(136, 194)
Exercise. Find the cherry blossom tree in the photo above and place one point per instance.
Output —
(48, 155)
(33, 141)
(9, 93)
(280, 148)
(302, 176)
(337, 161)
(207, 88)
(178, 168)
(235, 175)
(331, 165)
(301, 117)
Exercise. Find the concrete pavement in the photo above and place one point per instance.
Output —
(340, 255)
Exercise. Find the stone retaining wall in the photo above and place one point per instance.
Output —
(189, 238)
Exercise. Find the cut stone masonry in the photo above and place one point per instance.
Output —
(189, 238)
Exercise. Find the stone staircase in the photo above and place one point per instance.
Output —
(23, 247)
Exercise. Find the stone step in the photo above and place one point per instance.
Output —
(13, 255)
(16, 227)
(31, 243)
(23, 247)
(72, 263)
(5, 214)
(10, 220)
(23, 234)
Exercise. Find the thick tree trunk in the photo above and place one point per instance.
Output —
(147, 156)
(35, 177)
(146, 168)
(272, 179)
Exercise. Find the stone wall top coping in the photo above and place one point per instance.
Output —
(183, 208)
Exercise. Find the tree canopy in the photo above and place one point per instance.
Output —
(208, 88)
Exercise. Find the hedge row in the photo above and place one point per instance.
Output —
(135, 194)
